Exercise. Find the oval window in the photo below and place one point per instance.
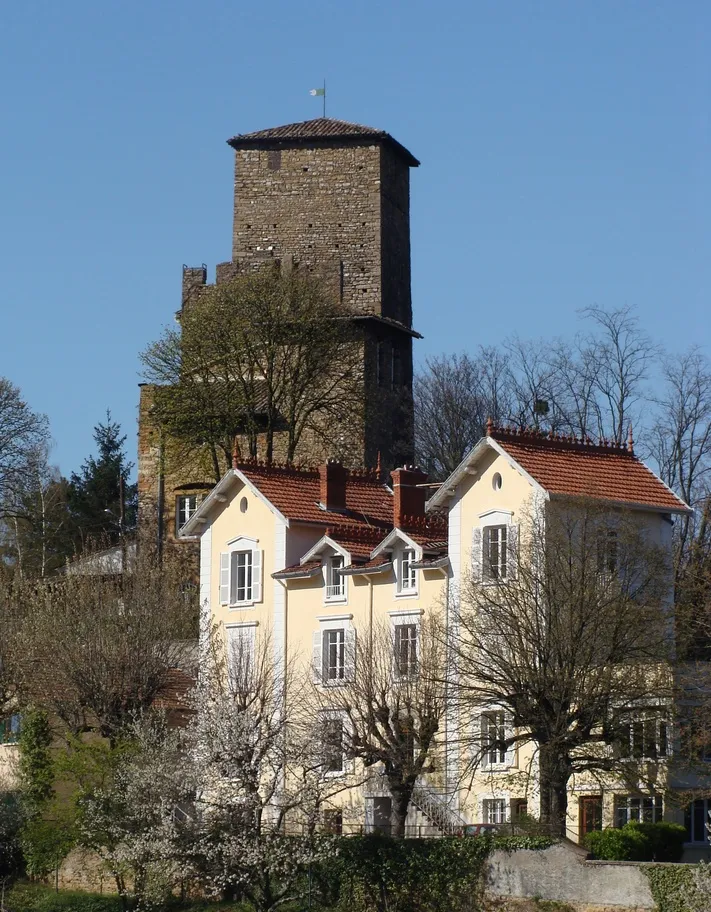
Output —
(496, 482)
(243, 504)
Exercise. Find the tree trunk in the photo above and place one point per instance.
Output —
(555, 772)
(401, 794)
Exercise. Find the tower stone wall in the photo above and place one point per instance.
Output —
(332, 198)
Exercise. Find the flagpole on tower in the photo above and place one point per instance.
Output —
(324, 97)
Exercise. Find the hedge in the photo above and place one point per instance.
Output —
(375, 873)
(638, 842)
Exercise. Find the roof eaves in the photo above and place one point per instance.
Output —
(296, 573)
(389, 541)
(438, 563)
(633, 505)
(358, 570)
(324, 542)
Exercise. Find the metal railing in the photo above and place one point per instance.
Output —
(437, 807)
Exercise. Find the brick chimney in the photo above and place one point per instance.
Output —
(408, 500)
(333, 477)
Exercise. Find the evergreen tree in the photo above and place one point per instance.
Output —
(101, 501)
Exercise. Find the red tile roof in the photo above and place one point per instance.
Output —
(376, 565)
(320, 128)
(297, 571)
(567, 466)
(359, 542)
(296, 494)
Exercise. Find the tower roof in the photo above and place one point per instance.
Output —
(320, 130)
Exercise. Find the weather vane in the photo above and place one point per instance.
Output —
(320, 93)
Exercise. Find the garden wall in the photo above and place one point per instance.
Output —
(563, 874)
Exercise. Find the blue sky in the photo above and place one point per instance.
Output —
(564, 148)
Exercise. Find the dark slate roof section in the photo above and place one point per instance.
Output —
(321, 129)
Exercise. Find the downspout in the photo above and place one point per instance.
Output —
(447, 715)
(284, 685)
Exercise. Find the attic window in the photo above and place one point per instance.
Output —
(496, 482)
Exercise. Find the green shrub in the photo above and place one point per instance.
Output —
(625, 844)
(666, 840)
(638, 842)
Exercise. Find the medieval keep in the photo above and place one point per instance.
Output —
(334, 198)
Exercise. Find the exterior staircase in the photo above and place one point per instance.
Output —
(437, 808)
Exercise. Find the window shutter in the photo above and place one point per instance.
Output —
(317, 657)
(511, 749)
(348, 758)
(350, 653)
(512, 552)
(224, 578)
(257, 576)
(476, 555)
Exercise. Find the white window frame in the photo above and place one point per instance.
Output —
(498, 572)
(501, 806)
(489, 520)
(254, 593)
(326, 717)
(329, 624)
(503, 719)
(407, 577)
(632, 808)
(607, 552)
(413, 667)
(180, 501)
(493, 721)
(638, 724)
(335, 592)
(247, 633)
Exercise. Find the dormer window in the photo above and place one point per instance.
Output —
(407, 574)
(335, 581)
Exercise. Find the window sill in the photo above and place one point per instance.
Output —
(407, 594)
(240, 605)
(336, 600)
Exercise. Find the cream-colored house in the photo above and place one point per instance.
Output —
(316, 556)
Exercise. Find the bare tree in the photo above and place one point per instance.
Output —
(97, 643)
(38, 529)
(620, 355)
(22, 432)
(454, 395)
(390, 706)
(265, 352)
(570, 642)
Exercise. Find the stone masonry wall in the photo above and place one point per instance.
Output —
(341, 211)
(317, 205)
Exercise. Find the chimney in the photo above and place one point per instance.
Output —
(409, 500)
(333, 477)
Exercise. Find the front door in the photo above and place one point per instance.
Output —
(590, 814)
(381, 815)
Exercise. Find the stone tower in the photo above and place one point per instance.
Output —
(333, 197)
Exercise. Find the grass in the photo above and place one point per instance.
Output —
(33, 897)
